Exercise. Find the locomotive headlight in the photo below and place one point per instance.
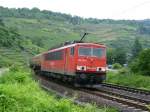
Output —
(81, 68)
(98, 69)
(101, 69)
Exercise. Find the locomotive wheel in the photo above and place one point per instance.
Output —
(64, 78)
(81, 79)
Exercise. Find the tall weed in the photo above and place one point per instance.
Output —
(19, 93)
(127, 78)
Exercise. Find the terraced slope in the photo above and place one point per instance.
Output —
(46, 33)
(37, 31)
(8, 57)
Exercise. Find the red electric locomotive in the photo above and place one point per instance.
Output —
(81, 63)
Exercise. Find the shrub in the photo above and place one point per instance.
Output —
(18, 93)
(15, 77)
(123, 71)
(7, 104)
(5, 62)
(15, 68)
(134, 65)
(116, 66)
(130, 79)
(142, 63)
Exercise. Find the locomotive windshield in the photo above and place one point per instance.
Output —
(97, 52)
(84, 51)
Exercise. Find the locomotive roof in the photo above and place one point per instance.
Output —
(71, 45)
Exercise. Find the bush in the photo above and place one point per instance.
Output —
(123, 71)
(116, 66)
(19, 93)
(134, 65)
(15, 77)
(7, 103)
(142, 63)
(130, 79)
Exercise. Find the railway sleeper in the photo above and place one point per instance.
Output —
(128, 102)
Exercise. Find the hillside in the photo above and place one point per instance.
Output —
(40, 30)
(14, 48)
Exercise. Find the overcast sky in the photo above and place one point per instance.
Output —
(102, 9)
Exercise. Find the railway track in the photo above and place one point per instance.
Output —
(136, 98)
(130, 89)
(136, 105)
(126, 100)
(128, 93)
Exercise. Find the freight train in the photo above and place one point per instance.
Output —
(78, 62)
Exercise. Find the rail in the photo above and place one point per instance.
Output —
(125, 102)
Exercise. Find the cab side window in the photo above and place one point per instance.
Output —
(72, 51)
(57, 55)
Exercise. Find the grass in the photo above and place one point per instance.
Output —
(19, 93)
(129, 79)
(9, 57)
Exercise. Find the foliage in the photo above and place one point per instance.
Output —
(110, 55)
(44, 29)
(117, 55)
(14, 47)
(120, 56)
(142, 63)
(1, 22)
(45, 14)
(144, 29)
(36, 13)
(8, 37)
(124, 71)
(19, 93)
(137, 47)
(129, 79)
(134, 65)
(116, 66)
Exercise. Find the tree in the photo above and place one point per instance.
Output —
(120, 56)
(8, 37)
(144, 28)
(1, 22)
(76, 20)
(117, 55)
(110, 55)
(142, 63)
(137, 47)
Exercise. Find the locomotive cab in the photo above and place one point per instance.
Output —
(91, 63)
